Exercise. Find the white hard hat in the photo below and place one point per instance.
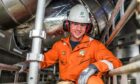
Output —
(79, 14)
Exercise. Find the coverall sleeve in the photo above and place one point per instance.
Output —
(50, 57)
(105, 60)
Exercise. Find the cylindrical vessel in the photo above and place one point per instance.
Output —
(14, 12)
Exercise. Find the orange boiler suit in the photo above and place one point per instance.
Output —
(72, 62)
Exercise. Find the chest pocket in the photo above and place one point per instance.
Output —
(63, 57)
(84, 56)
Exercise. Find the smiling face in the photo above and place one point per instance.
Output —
(77, 30)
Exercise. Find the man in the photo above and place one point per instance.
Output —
(82, 60)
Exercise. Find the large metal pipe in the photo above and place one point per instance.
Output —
(14, 12)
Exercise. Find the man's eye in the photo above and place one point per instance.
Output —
(83, 24)
(75, 23)
(78, 24)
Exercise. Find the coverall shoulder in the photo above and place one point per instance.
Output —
(72, 62)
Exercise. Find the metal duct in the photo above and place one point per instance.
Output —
(10, 53)
(14, 12)
(101, 10)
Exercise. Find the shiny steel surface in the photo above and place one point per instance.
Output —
(4, 16)
(16, 11)
(107, 7)
(98, 12)
(30, 5)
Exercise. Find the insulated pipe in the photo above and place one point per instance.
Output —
(35, 54)
(15, 12)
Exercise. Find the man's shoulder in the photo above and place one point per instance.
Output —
(62, 40)
(95, 41)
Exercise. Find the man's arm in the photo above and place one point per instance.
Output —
(50, 57)
(86, 73)
(105, 59)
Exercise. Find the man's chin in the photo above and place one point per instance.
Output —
(78, 37)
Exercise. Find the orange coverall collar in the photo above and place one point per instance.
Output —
(84, 39)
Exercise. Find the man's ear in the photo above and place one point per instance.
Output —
(66, 25)
(89, 28)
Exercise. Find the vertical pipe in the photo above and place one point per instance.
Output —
(36, 44)
(138, 78)
(0, 73)
(114, 79)
(43, 78)
(16, 77)
(124, 79)
(54, 69)
(109, 81)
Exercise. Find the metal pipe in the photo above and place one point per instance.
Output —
(138, 78)
(36, 44)
(124, 79)
(122, 10)
(15, 12)
(8, 67)
(113, 15)
(129, 68)
(123, 20)
(114, 79)
(16, 77)
(109, 80)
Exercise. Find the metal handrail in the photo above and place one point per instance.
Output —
(16, 69)
(129, 68)
(9, 67)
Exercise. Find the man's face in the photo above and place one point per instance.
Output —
(77, 30)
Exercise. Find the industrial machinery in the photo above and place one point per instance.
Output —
(30, 27)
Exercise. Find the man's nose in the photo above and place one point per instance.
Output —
(79, 27)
